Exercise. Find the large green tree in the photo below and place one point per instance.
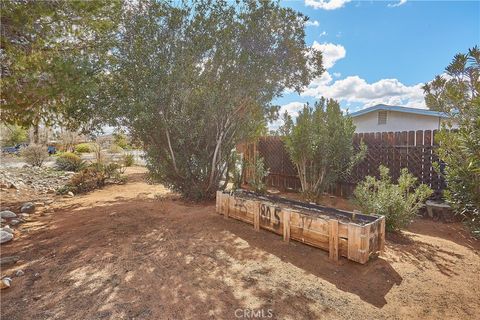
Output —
(193, 78)
(457, 93)
(54, 56)
(320, 145)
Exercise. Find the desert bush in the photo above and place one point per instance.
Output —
(35, 155)
(399, 203)
(259, 172)
(86, 180)
(128, 160)
(83, 148)
(69, 161)
(94, 176)
(115, 149)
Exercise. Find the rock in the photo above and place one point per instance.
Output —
(70, 194)
(19, 273)
(6, 282)
(5, 236)
(24, 215)
(7, 214)
(5, 261)
(8, 229)
(28, 207)
(14, 222)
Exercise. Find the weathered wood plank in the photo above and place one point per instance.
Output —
(286, 225)
(333, 241)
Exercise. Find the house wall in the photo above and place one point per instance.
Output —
(396, 121)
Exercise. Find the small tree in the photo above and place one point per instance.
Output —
(258, 173)
(458, 94)
(399, 203)
(320, 145)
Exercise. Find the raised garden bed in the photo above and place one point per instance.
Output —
(341, 233)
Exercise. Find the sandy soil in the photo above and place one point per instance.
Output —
(135, 251)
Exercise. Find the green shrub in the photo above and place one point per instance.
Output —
(128, 160)
(115, 149)
(457, 93)
(121, 140)
(69, 161)
(399, 203)
(83, 148)
(259, 172)
(35, 155)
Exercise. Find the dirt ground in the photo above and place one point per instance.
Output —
(135, 251)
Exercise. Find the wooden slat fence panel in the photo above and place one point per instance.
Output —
(396, 150)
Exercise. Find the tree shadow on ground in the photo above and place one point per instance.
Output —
(409, 249)
(371, 281)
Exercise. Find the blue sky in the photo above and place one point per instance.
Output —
(382, 51)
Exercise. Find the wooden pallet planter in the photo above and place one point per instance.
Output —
(341, 233)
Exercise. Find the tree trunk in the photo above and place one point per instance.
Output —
(36, 135)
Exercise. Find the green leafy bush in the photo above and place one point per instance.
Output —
(35, 155)
(83, 148)
(128, 160)
(115, 149)
(69, 161)
(121, 140)
(458, 94)
(399, 203)
(259, 172)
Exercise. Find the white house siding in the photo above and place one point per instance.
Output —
(396, 121)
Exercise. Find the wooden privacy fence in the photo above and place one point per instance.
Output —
(341, 233)
(395, 150)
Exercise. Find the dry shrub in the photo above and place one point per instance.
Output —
(35, 155)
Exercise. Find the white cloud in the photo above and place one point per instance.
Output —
(313, 23)
(322, 34)
(398, 4)
(331, 52)
(326, 4)
(354, 89)
(293, 108)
